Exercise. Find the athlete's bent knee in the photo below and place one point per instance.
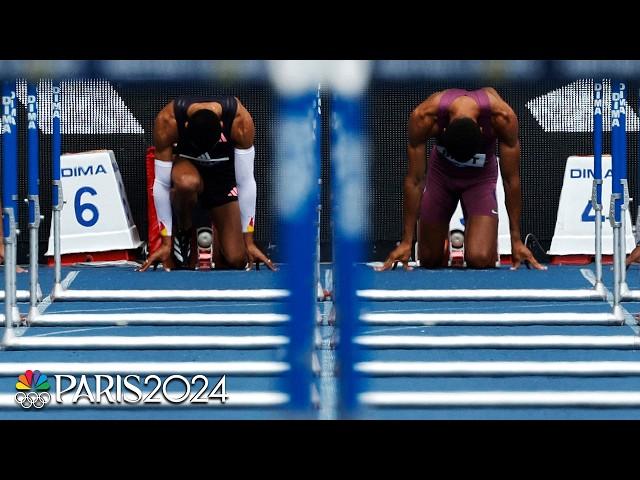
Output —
(186, 183)
(480, 259)
(432, 261)
(236, 261)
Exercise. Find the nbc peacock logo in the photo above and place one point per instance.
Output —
(33, 389)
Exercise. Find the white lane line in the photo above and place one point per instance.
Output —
(397, 329)
(161, 307)
(492, 307)
(75, 330)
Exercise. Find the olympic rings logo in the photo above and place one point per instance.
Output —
(33, 399)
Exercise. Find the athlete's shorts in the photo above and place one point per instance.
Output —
(211, 198)
(218, 189)
(442, 192)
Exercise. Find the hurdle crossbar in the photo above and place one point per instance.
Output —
(542, 318)
(587, 399)
(160, 319)
(631, 296)
(626, 342)
(235, 399)
(148, 368)
(11, 342)
(21, 295)
(491, 369)
(481, 294)
(263, 294)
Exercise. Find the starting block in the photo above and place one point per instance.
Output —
(204, 242)
(456, 249)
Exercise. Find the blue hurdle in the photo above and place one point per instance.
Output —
(348, 176)
(33, 196)
(299, 170)
(624, 204)
(10, 199)
(619, 175)
(619, 195)
(56, 192)
(596, 194)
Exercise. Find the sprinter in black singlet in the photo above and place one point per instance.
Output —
(204, 153)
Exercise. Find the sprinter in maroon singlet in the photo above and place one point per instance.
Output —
(462, 166)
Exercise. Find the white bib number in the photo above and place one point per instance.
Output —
(478, 160)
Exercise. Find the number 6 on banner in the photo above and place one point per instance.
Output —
(80, 208)
(99, 220)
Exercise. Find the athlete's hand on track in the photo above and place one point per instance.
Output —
(520, 253)
(256, 256)
(161, 255)
(633, 257)
(402, 254)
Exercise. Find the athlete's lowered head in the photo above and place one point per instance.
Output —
(462, 138)
(203, 129)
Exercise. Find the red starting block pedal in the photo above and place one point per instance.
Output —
(204, 238)
(456, 249)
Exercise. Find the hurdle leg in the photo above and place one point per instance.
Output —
(297, 147)
(319, 290)
(33, 198)
(596, 191)
(618, 174)
(9, 200)
(57, 199)
(597, 208)
(624, 288)
(348, 206)
(617, 308)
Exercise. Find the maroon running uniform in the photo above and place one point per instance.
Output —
(448, 180)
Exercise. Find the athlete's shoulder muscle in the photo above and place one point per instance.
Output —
(423, 119)
(165, 128)
(243, 131)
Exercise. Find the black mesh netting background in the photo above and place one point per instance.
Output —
(387, 107)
